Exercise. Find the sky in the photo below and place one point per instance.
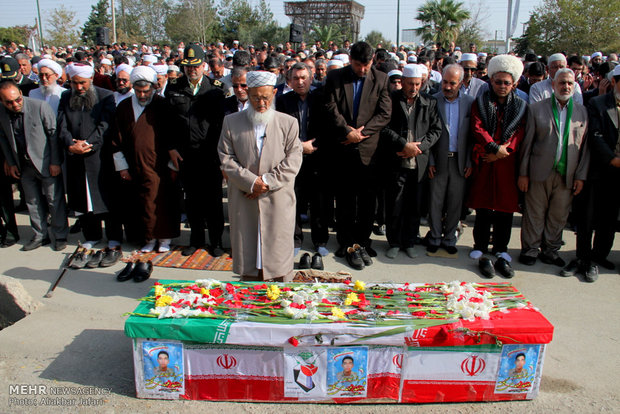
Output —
(379, 15)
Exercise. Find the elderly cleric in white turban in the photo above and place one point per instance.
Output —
(143, 73)
(80, 70)
(48, 63)
(123, 67)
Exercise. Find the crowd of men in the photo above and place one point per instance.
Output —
(348, 137)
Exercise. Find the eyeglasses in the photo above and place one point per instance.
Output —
(500, 83)
(239, 85)
(14, 101)
(469, 69)
(46, 75)
(119, 80)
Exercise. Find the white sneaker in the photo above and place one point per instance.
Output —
(164, 245)
(149, 247)
(475, 254)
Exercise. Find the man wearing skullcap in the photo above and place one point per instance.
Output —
(49, 90)
(33, 156)
(543, 90)
(261, 154)
(358, 108)
(103, 75)
(161, 69)
(471, 85)
(84, 116)
(196, 111)
(414, 128)
(395, 77)
(141, 159)
(498, 125)
(123, 85)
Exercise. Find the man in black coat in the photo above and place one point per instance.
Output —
(414, 128)
(311, 182)
(85, 113)
(600, 198)
(358, 107)
(196, 107)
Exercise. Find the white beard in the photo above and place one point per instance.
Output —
(261, 118)
(47, 90)
(564, 98)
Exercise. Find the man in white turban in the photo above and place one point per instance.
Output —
(261, 155)
(49, 90)
(123, 84)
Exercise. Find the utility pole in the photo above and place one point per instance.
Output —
(508, 21)
(40, 24)
(113, 21)
(397, 24)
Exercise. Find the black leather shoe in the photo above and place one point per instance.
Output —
(558, 261)
(486, 267)
(217, 251)
(591, 273)
(142, 271)
(527, 260)
(371, 252)
(81, 258)
(35, 244)
(364, 254)
(76, 228)
(189, 250)
(450, 249)
(60, 244)
(317, 262)
(503, 268)
(111, 256)
(354, 259)
(341, 252)
(8, 241)
(304, 262)
(125, 274)
(605, 263)
(95, 260)
(432, 249)
(571, 269)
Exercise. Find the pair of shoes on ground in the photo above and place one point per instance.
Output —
(501, 266)
(35, 244)
(101, 258)
(216, 251)
(358, 256)
(531, 260)
(315, 263)
(138, 271)
(392, 252)
(163, 246)
(587, 269)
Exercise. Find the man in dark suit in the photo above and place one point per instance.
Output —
(84, 116)
(239, 100)
(450, 162)
(33, 155)
(310, 182)
(358, 107)
(600, 198)
(414, 128)
(196, 107)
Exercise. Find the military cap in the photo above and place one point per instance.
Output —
(193, 55)
(10, 67)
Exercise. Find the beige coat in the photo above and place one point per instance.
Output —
(539, 146)
(280, 161)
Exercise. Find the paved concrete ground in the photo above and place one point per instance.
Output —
(76, 338)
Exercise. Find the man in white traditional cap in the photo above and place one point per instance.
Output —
(123, 85)
(162, 77)
(543, 90)
(261, 154)
(49, 90)
(334, 64)
(85, 114)
(141, 159)
(414, 128)
(471, 85)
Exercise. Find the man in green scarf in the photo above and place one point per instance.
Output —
(554, 161)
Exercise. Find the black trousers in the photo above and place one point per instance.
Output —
(202, 181)
(402, 208)
(502, 229)
(91, 227)
(7, 208)
(310, 191)
(355, 201)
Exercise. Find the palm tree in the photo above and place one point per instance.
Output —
(441, 20)
(326, 34)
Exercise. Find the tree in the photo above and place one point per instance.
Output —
(144, 20)
(441, 20)
(249, 25)
(62, 27)
(573, 27)
(17, 34)
(471, 29)
(193, 20)
(99, 17)
(374, 37)
(326, 34)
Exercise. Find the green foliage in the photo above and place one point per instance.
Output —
(17, 34)
(99, 17)
(144, 20)
(249, 25)
(441, 20)
(374, 37)
(326, 34)
(62, 28)
(573, 27)
(193, 20)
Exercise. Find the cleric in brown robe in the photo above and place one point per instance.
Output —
(141, 158)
